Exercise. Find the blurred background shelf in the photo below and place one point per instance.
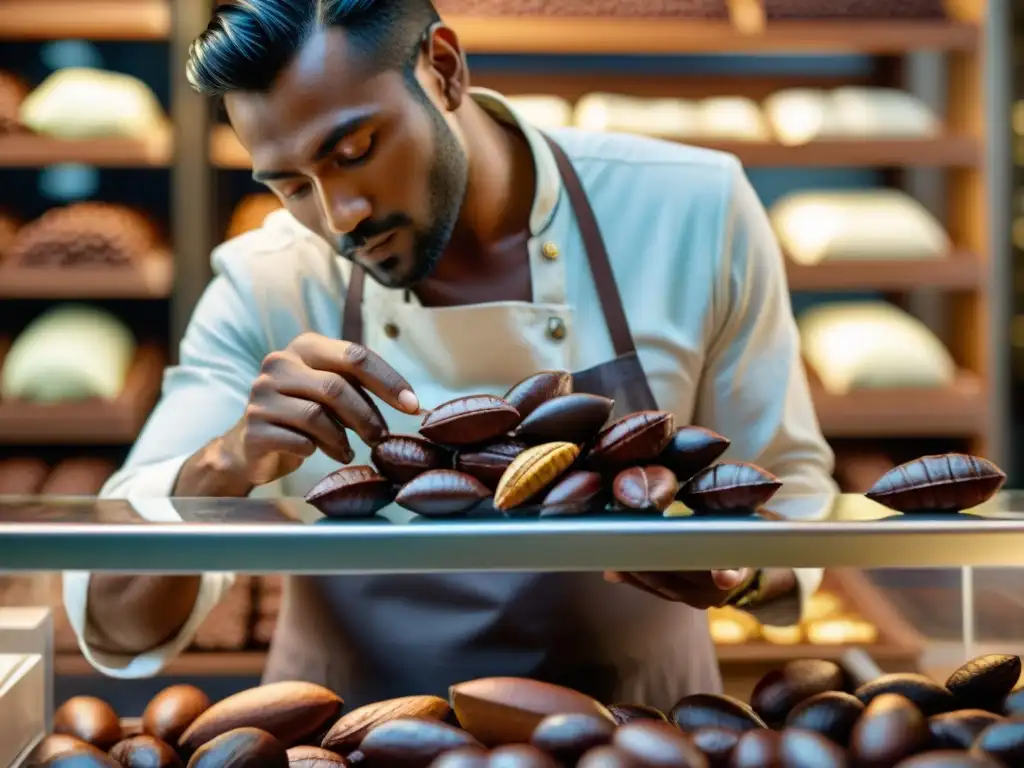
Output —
(948, 151)
(31, 151)
(90, 422)
(150, 277)
(582, 35)
(189, 664)
(942, 152)
(956, 411)
(92, 19)
(959, 271)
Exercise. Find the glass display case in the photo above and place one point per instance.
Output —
(918, 593)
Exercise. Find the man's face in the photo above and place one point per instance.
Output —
(367, 160)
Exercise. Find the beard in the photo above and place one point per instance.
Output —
(447, 182)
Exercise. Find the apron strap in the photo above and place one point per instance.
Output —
(593, 243)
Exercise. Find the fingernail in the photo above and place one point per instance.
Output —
(409, 402)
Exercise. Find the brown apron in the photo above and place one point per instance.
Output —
(382, 636)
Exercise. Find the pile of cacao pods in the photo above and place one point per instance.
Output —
(544, 446)
(806, 714)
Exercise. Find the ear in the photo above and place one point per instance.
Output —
(447, 64)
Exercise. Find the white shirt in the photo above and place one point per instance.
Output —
(700, 275)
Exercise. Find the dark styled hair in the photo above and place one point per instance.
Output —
(248, 43)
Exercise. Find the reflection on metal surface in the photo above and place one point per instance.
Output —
(288, 535)
(19, 512)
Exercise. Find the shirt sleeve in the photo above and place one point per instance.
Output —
(754, 389)
(203, 396)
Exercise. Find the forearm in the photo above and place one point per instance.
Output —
(131, 614)
(136, 613)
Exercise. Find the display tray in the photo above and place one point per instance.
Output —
(288, 535)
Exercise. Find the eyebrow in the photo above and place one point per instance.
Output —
(327, 145)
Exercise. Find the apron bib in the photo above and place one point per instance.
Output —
(382, 636)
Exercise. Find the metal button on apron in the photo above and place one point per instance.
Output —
(391, 330)
(556, 329)
(549, 251)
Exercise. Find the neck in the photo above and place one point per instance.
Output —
(500, 189)
(499, 198)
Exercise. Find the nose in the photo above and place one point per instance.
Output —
(343, 209)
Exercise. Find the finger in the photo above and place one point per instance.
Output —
(265, 438)
(376, 415)
(366, 366)
(309, 419)
(344, 400)
(730, 579)
(613, 577)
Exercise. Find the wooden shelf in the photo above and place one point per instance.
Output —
(958, 411)
(948, 151)
(92, 19)
(33, 151)
(191, 663)
(151, 278)
(151, 20)
(91, 422)
(960, 271)
(604, 35)
(942, 152)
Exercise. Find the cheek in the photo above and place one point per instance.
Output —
(403, 171)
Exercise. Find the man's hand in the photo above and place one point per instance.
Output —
(698, 589)
(305, 398)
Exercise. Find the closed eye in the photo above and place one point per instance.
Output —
(355, 150)
(298, 193)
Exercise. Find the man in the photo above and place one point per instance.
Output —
(492, 252)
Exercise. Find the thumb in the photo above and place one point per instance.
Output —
(730, 579)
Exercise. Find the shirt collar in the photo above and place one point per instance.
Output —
(549, 181)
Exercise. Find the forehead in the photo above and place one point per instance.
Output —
(328, 82)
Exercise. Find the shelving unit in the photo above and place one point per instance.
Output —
(88, 425)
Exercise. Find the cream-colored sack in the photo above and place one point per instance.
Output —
(731, 118)
(872, 345)
(872, 224)
(73, 352)
(543, 111)
(800, 115)
(666, 118)
(85, 103)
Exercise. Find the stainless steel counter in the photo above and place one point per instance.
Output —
(181, 535)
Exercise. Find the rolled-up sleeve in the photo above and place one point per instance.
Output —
(754, 387)
(202, 398)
